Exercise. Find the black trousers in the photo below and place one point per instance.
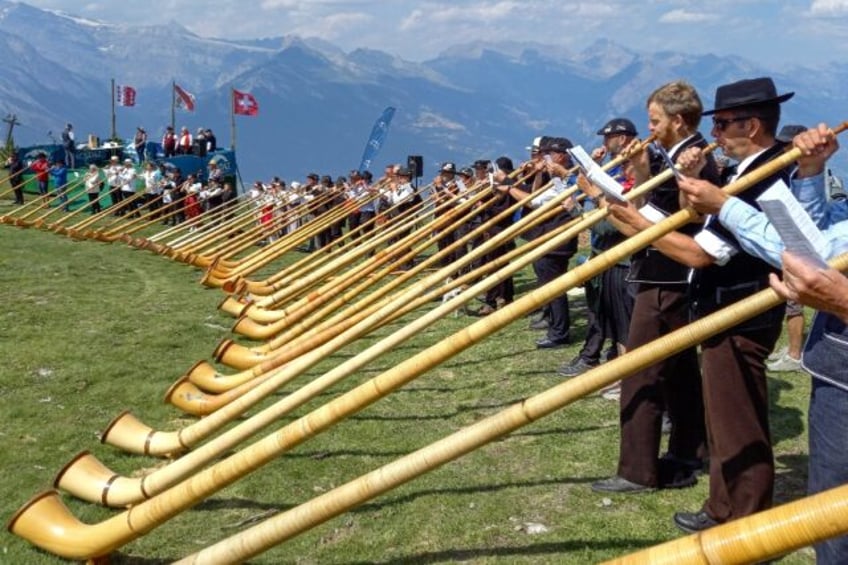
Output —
(547, 268)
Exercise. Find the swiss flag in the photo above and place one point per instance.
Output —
(124, 95)
(244, 104)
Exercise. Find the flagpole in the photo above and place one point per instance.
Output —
(232, 119)
(173, 103)
(114, 129)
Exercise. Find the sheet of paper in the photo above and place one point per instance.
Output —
(597, 176)
(660, 150)
(799, 233)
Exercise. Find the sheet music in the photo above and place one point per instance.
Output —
(660, 150)
(597, 176)
(799, 233)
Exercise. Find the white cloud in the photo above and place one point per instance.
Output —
(686, 17)
(829, 7)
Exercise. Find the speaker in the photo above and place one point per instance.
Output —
(415, 164)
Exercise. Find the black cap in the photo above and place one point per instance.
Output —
(466, 171)
(788, 132)
(505, 164)
(749, 92)
(555, 144)
(403, 172)
(313, 176)
(481, 164)
(618, 126)
(448, 168)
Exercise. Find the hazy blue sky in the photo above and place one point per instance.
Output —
(771, 32)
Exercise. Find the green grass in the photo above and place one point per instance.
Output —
(89, 329)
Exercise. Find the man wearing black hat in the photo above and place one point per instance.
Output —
(553, 166)
(745, 120)
(825, 353)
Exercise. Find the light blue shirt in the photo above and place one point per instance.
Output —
(758, 237)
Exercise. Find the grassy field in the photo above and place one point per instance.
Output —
(90, 329)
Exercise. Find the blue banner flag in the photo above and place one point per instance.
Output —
(378, 137)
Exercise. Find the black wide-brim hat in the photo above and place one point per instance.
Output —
(748, 92)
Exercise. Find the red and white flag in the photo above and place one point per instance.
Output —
(183, 98)
(244, 104)
(124, 95)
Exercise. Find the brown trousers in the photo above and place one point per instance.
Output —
(673, 385)
(736, 400)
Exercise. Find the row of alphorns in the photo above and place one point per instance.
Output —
(310, 320)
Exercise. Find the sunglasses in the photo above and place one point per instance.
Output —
(721, 123)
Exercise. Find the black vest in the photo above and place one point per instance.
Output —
(715, 286)
(649, 265)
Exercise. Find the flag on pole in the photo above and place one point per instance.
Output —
(183, 98)
(244, 104)
(378, 137)
(124, 95)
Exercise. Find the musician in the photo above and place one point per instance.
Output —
(113, 180)
(59, 172)
(367, 209)
(824, 356)
(502, 293)
(128, 177)
(554, 164)
(16, 178)
(662, 305)
(93, 184)
(41, 168)
(745, 120)
(444, 189)
(404, 197)
(152, 179)
(609, 296)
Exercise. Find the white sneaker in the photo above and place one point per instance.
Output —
(784, 364)
(778, 353)
(612, 392)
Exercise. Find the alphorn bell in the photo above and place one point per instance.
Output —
(46, 522)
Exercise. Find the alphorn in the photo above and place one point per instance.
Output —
(128, 433)
(189, 398)
(43, 202)
(271, 252)
(47, 523)
(312, 298)
(218, 278)
(87, 478)
(291, 523)
(405, 220)
(240, 357)
(39, 220)
(346, 242)
(56, 225)
(756, 538)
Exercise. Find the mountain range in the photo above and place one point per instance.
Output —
(319, 103)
